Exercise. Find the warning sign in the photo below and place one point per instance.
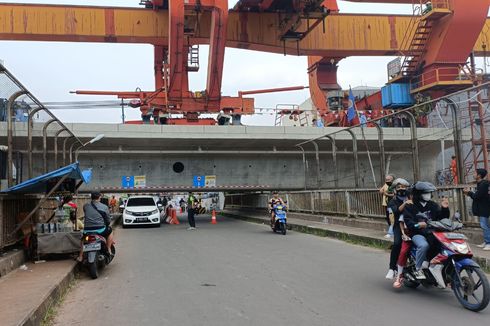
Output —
(210, 181)
(140, 181)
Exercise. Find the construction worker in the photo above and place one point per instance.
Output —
(163, 116)
(454, 169)
(428, 8)
(192, 203)
(223, 118)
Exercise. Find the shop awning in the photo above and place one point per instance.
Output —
(43, 183)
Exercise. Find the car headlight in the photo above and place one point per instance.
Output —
(129, 212)
(154, 212)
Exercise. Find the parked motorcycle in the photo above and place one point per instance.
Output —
(280, 219)
(453, 267)
(95, 253)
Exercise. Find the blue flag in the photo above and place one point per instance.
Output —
(351, 111)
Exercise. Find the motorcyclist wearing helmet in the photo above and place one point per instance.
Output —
(275, 200)
(416, 217)
(395, 208)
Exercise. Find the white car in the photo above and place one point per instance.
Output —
(141, 210)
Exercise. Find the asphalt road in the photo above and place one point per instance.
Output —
(238, 273)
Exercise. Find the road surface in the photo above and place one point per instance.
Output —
(238, 273)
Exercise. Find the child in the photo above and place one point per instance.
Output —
(406, 245)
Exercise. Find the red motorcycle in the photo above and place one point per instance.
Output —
(453, 266)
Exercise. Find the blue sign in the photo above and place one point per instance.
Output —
(198, 181)
(127, 182)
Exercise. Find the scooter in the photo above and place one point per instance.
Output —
(95, 253)
(453, 267)
(280, 219)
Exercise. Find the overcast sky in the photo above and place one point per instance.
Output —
(51, 70)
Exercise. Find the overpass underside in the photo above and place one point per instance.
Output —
(241, 158)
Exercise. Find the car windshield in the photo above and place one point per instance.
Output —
(140, 202)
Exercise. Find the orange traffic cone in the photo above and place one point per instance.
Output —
(213, 217)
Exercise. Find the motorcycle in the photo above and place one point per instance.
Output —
(95, 253)
(453, 266)
(280, 219)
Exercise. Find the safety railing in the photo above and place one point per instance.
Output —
(439, 76)
(410, 31)
(18, 105)
(439, 4)
(345, 202)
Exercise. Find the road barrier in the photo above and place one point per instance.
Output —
(342, 202)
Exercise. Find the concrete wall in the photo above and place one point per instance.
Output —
(274, 170)
(228, 153)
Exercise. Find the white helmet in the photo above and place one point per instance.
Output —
(401, 181)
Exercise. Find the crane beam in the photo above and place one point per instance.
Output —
(345, 34)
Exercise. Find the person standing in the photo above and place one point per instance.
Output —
(454, 170)
(163, 116)
(395, 209)
(223, 118)
(71, 212)
(388, 193)
(182, 205)
(481, 204)
(318, 123)
(191, 211)
(113, 204)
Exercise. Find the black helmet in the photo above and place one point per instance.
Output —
(423, 187)
(95, 195)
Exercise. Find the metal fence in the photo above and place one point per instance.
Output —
(18, 106)
(344, 202)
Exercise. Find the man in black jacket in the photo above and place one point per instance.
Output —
(416, 217)
(481, 204)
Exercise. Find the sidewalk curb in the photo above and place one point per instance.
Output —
(36, 316)
(343, 236)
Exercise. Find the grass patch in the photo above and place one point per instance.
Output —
(52, 311)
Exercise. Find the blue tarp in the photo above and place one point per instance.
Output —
(41, 183)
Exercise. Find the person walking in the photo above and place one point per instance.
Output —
(481, 204)
(191, 211)
(388, 194)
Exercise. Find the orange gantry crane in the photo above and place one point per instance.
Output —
(435, 44)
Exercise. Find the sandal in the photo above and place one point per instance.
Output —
(398, 282)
